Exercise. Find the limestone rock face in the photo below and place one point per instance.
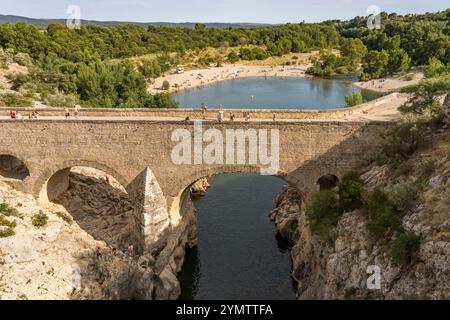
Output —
(340, 270)
(286, 214)
(200, 188)
(79, 253)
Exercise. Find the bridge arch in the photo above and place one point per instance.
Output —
(328, 182)
(176, 202)
(13, 167)
(55, 180)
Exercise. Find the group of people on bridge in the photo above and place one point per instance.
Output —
(221, 114)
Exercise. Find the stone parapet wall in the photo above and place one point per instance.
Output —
(212, 113)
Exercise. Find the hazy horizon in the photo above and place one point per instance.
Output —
(230, 11)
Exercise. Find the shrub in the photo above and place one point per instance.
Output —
(40, 219)
(233, 57)
(23, 59)
(382, 219)
(402, 196)
(6, 223)
(8, 232)
(60, 100)
(8, 211)
(7, 226)
(350, 190)
(353, 99)
(405, 248)
(166, 85)
(401, 142)
(323, 214)
(404, 169)
(14, 100)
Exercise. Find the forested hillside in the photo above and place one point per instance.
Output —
(77, 63)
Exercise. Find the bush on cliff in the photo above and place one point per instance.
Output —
(350, 190)
(8, 211)
(405, 248)
(40, 219)
(382, 218)
(323, 214)
(401, 142)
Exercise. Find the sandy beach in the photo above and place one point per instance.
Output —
(386, 85)
(203, 77)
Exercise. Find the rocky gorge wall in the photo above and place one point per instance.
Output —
(340, 270)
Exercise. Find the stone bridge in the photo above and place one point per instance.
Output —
(138, 154)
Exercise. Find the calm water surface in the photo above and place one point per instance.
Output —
(238, 255)
(274, 93)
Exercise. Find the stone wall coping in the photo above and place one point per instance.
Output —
(191, 110)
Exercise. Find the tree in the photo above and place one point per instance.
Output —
(200, 27)
(354, 50)
(166, 85)
(374, 64)
(398, 61)
(425, 97)
(233, 57)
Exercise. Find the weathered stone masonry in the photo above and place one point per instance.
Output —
(138, 154)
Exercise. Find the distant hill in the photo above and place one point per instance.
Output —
(45, 22)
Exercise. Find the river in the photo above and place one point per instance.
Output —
(274, 93)
(239, 256)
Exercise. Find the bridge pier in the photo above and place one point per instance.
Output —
(151, 214)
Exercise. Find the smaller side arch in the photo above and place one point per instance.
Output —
(13, 167)
(55, 180)
(328, 182)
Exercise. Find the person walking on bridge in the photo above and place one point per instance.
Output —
(76, 110)
(204, 108)
(66, 112)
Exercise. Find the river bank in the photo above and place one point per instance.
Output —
(391, 84)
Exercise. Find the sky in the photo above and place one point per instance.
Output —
(257, 11)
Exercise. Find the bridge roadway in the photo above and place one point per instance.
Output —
(136, 149)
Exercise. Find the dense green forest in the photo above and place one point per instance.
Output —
(77, 63)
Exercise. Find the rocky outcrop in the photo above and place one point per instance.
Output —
(341, 270)
(84, 250)
(200, 188)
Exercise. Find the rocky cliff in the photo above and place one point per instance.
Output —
(340, 270)
(85, 248)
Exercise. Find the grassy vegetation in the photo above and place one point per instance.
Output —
(65, 217)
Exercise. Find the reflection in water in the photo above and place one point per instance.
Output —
(239, 255)
(275, 93)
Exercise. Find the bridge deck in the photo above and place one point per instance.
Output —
(382, 109)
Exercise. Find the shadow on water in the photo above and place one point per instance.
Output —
(239, 255)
